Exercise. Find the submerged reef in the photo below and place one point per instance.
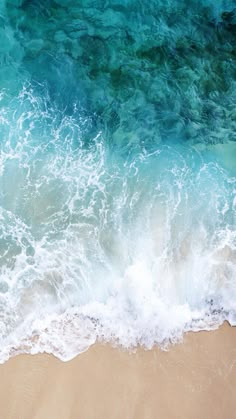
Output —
(171, 64)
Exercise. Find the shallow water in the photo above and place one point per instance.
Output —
(117, 172)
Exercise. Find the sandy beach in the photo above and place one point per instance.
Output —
(194, 379)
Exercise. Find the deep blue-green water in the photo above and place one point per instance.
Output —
(117, 172)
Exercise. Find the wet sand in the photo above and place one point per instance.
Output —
(194, 379)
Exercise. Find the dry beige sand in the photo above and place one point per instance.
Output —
(195, 379)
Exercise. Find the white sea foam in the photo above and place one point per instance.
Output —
(101, 245)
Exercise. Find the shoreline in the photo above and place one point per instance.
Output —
(195, 378)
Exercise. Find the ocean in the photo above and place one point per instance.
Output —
(117, 172)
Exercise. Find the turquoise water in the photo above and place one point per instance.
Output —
(117, 172)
